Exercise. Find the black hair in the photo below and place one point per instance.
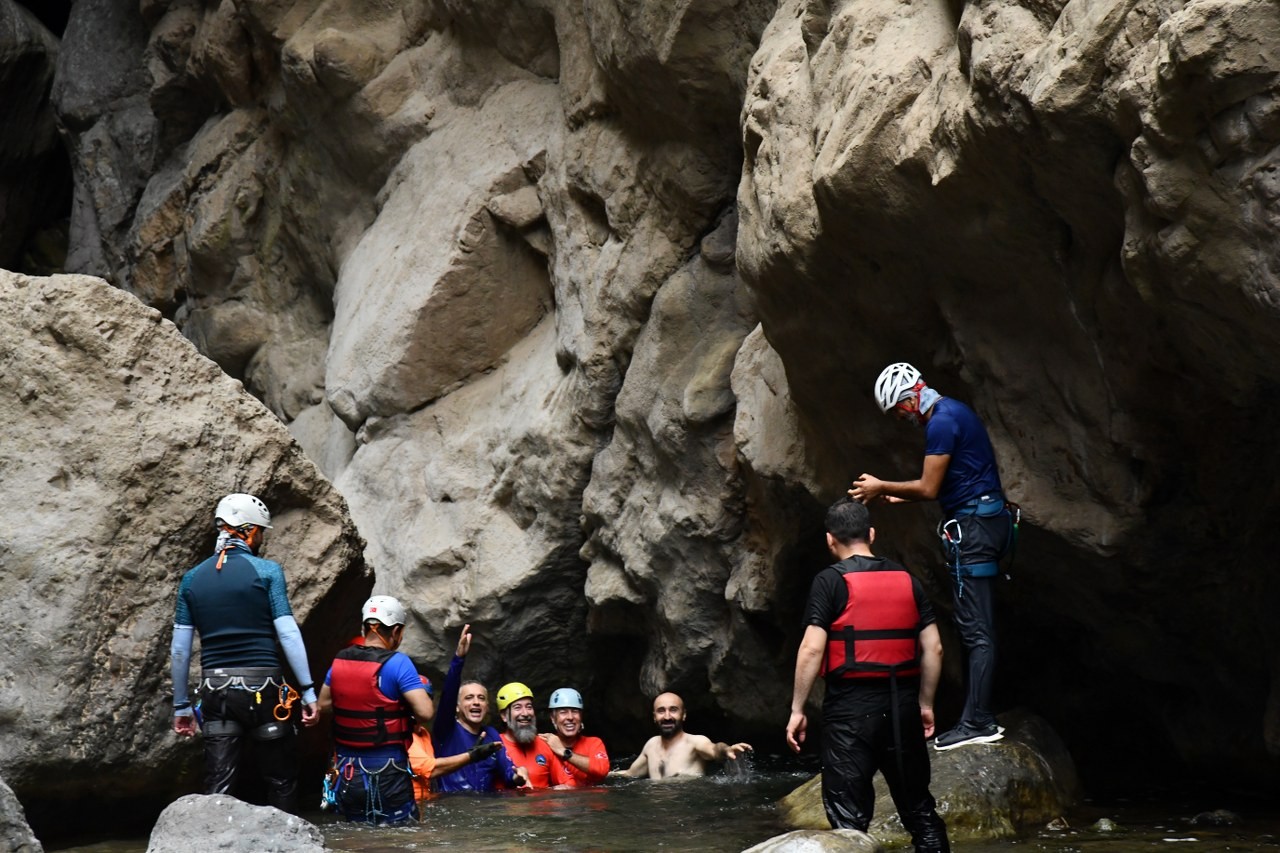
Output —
(848, 521)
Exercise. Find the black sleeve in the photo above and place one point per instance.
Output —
(923, 604)
(827, 598)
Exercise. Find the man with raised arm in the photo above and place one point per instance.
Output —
(460, 726)
(673, 752)
(871, 632)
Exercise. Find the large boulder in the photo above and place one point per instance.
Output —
(215, 823)
(119, 440)
(984, 791)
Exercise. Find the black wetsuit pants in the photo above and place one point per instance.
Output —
(975, 622)
(233, 715)
(853, 749)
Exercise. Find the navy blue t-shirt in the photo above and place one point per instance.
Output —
(953, 429)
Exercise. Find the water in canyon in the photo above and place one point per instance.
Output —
(725, 812)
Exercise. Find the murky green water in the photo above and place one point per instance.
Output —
(731, 813)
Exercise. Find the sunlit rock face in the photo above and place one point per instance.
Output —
(120, 438)
(579, 307)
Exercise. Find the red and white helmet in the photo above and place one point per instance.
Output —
(894, 383)
(239, 509)
(384, 609)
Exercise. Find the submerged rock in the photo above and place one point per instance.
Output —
(215, 822)
(815, 841)
(983, 791)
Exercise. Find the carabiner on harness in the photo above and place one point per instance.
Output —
(284, 709)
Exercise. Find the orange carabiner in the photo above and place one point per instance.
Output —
(284, 709)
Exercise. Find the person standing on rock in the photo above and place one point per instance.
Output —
(960, 473)
(376, 696)
(460, 727)
(673, 752)
(239, 604)
(869, 629)
(581, 759)
(524, 747)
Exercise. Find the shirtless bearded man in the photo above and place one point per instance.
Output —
(675, 752)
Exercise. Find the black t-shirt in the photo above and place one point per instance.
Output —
(850, 697)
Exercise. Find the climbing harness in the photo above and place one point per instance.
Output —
(374, 808)
(951, 535)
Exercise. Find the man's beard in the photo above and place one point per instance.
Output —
(524, 734)
(670, 728)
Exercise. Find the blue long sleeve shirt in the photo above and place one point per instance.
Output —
(450, 737)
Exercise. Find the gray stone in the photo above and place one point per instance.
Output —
(819, 841)
(216, 823)
(15, 835)
(120, 439)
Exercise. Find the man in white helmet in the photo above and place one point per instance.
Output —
(959, 472)
(581, 758)
(239, 604)
(376, 695)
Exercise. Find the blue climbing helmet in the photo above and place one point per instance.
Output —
(565, 697)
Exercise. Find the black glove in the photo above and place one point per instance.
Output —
(481, 751)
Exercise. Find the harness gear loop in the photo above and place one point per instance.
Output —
(951, 535)
(284, 709)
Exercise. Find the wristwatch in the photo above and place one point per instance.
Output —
(567, 754)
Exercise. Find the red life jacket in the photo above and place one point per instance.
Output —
(877, 633)
(363, 716)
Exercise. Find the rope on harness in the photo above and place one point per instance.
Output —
(951, 535)
(1015, 516)
(373, 805)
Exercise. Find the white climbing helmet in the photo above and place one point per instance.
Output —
(384, 609)
(893, 383)
(239, 509)
(565, 697)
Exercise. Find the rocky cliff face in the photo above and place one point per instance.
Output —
(578, 306)
(120, 440)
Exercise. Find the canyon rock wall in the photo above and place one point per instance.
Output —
(119, 440)
(1063, 214)
(579, 306)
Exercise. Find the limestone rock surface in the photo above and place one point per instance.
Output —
(579, 305)
(205, 823)
(15, 834)
(1059, 212)
(120, 439)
